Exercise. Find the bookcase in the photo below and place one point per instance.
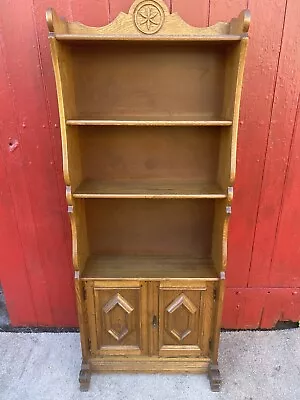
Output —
(149, 109)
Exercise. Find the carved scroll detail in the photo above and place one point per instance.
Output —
(148, 17)
(72, 215)
(226, 225)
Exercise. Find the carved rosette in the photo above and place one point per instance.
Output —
(149, 17)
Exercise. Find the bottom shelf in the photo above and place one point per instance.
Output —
(149, 268)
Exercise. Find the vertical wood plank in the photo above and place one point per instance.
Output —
(13, 273)
(285, 269)
(256, 106)
(53, 267)
(279, 146)
(117, 6)
(280, 305)
(252, 308)
(90, 12)
(225, 10)
(32, 306)
(194, 12)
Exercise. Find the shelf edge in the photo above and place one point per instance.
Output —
(74, 122)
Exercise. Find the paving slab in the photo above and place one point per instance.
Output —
(258, 365)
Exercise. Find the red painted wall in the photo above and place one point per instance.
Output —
(264, 241)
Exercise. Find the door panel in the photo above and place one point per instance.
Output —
(118, 318)
(185, 313)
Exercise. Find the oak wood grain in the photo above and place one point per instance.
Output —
(155, 189)
(149, 268)
(149, 109)
(187, 120)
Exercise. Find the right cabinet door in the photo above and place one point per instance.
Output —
(185, 317)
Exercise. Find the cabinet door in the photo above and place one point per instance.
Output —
(117, 317)
(185, 315)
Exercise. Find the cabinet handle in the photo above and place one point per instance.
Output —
(154, 321)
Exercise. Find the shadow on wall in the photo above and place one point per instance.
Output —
(4, 318)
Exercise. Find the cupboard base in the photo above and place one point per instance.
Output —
(149, 364)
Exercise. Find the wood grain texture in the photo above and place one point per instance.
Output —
(150, 364)
(149, 268)
(14, 256)
(82, 319)
(120, 318)
(95, 13)
(258, 92)
(184, 320)
(225, 10)
(260, 74)
(194, 12)
(37, 165)
(136, 237)
(117, 227)
(284, 271)
(217, 318)
(154, 155)
(160, 189)
(145, 121)
(251, 308)
(133, 24)
(153, 317)
(281, 132)
(119, 69)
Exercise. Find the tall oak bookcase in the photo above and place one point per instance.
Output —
(149, 109)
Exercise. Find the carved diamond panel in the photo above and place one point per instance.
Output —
(180, 317)
(118, 317)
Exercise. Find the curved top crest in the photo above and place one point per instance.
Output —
(144, 19)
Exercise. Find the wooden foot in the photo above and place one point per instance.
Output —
(214, 377)
(84, 377)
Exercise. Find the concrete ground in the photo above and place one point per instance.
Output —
(254, 365)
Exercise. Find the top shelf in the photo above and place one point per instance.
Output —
(67, 37)
(147, 122)
(148, 21)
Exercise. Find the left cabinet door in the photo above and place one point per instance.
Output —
(117, 315)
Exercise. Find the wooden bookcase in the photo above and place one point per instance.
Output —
(149, 111)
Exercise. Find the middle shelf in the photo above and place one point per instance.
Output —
(149, 189)
(149, 268)
(150, 121)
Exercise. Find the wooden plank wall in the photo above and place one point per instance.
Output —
(264, 253)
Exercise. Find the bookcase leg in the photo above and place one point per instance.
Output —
(84, 377)
(214, 377)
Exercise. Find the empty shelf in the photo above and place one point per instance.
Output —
(148, 268)
(148, 189)
(186, 121)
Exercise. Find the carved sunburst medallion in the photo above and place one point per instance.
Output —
(149, 17)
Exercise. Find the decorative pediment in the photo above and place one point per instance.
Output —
(145, 19)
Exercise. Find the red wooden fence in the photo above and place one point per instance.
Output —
(264, 242)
